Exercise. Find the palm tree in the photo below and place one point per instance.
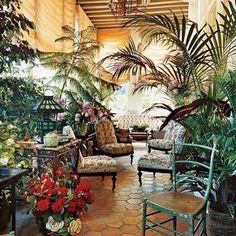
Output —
(75, 69)
(195, 54)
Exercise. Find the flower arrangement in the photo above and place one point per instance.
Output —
(58, 202)
(88, 113)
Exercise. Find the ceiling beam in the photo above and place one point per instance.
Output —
(92, 2)
(108, 15)
(89, 6)
(158, 7)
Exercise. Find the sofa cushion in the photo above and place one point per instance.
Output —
(155, 160)
(118, 148)
(95, 164)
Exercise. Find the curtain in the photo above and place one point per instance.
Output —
(112, 40)
(49, 16)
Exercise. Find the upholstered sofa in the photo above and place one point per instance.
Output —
(127, 121)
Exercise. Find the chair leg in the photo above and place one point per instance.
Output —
(103, 177)
(149, 149)
(113, 182)
(131, 158)
(154, 174)
(204, 232)
(140, 177)
(171, 177)
(191, 227)
(144, 217)
(174, 224)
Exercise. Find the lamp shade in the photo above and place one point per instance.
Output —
(47, 105)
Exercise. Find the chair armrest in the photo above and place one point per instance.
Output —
(123, 136)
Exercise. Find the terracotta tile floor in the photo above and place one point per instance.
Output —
(112, 213)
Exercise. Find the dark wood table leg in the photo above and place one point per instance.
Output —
(55, 162)
(13, 197)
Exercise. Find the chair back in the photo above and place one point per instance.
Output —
(174, 132)
(194, 172)
(105, 132)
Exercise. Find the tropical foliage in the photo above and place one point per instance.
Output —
(74, 70)
(12, 26)
(194, 54)
(195, 74)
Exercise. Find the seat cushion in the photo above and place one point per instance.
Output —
(95, 164)
(160, 144)
(117, 148)
(155, 160)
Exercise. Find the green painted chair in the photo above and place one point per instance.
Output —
(192, 173)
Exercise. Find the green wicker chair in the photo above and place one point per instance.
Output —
(189, 173)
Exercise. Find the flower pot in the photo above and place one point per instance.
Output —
(221, 224)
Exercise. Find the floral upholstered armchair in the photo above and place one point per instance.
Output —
(174, 131)
(107, 141)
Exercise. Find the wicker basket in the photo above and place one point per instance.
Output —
(221, 224)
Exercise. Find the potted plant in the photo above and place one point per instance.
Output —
(58, 202)
(139, 128)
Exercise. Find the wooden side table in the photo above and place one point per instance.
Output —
(140, 135)
(9, 180)
(55, 153)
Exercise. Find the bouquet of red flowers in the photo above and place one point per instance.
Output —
(58, 202)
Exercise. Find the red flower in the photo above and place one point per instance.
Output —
(38, 190)
(63, 191)
(47, 184)
(81, 203)
(84, 186)
(51, 191)
(45, 177)
(60, 173)
(72, 206)
(57, 206)
(74, 176)
(43, 205)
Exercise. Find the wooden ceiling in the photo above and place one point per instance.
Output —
(101, 16)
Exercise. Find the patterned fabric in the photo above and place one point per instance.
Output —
(118, 148)
(155, 160)
(126, 121)
(105, 132)
(160, 144)
(94, 164)
(174, 132)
